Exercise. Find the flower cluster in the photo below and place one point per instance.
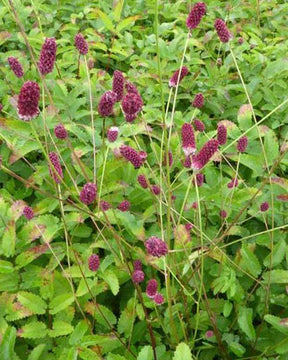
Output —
(152, 293)
(138, 275)
(28, 100)
(124, 206)
(112, 133)
(264, 206)
(221, 134)
(142, 181)
(105, 205)
(201, 159)
(242, 144)
(188, 139)
(15, 66)
(107, 101)
(47, 56)
(199, 125)
(232, 183)
(156, 247)
(94, 262)
(170, 159)
(28, 212)
(55, 168)
(131, 105)
(81, 44)
(198, 101)
(131, 155)
(178, 75)
(60, 132)
(222, 31)
(195, 15)
(118, 84)
(88, 193)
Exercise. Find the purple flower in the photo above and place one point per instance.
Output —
(138, 276)
(142, 181)
(124, 206)
(196, 14)
(105, 205)
(240, 40)
(209, 333)
(198, 101)
(137, 265)
(60, 131)
(170, 159)
(118, 84)
(242, 144)
(187, 162)
(81, 44)
(155, 189)
(106, 103)
(151, 288)
(132, 103)
(204, 155)
(188, 227)
(131, 155)
(130, 117)
(200, 126)
(264, 206)
(28, 99)
(174, 79)
(28, 212)
(15, 66)
(188, 139)
(199, 179)
(222, 31)
(223, 214)
(131, 88)
(232, 183)
(143, 155)
(94, 262)
(221, 134)
(112, 133)
(88, 193)
(47, 56)
(55, 168)
(156, 247)
(158, 299)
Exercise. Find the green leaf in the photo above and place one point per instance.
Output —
(182, 352)
(60, 328)
(146, 353)
(32, 302)
(118, 10)
(107, 342)
(115, 357)
(6, 267)
(33, 330)
(107, 313)
(275, 322)
(278, 254)
(126, 22)
(271, 147)
(245, 322)
(36, 352)
(78, 333)
(245, 117)
(106, 20)
(7, 344)
(249, 261)
(276, 277)
(9, 282)
(9, 240)
(237, 348)
(112, 280)
(60, 302)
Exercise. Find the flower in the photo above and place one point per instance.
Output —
(88, 193)
(142, 181)
(174, 79)
(242, 144)
(94, 262)
(130, 117)
(143, 155)
(204, 155)
(156, 246)
(155, 189)
(221, 134)
(223, 214)
(222, 31)
(28, 212)
(188, 227)
(198, 101)
(60, 131)
(131, 155)
(138, 276)
(106, 103)
(81, 44)
(158, 299)
(232, 183)
(112, 133)
(200, 126)
(151, 288)
(170, 159)
(132, 103)
(15, 66)
(199, 179)
(118, 84)
(187, 162)
(195, 15)
(209, 333)
(137, 265)
(105, 205)
(28, 99)
(188, 139)
(264, 206)
(131, 88)
(47, 56)
(124, 206)
(55, 168)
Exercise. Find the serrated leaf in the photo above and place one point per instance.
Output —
(112, 280)
(60, 302)
(275, 321)
(249, 261)
(7, 344)
(6, 267)
(9, 282)
(33, 330)
(276, 276)
(126, 22)
(60, 328)
(106, 20)
(146, 353)
(118, 10)
(32, 302)
(245, 117)
(271, 147)
(107, 342)
(9, 239)
(245, 322)
(182, 352)
(78, 333)
(36, 352)
(278, 254)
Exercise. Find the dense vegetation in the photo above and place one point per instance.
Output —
(128, 230)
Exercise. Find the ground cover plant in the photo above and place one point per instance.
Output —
(143, 200)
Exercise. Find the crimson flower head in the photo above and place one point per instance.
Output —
(242, 144)
(118, 84)
(124, 206)
(60, 131)
(94, 262)
(264, 206)
(199, 125)
(137, 264)
(81, 44)
(28, 100)
(221, 134)
(131, 155)
(178, 74)
(131, 88)
(88, 193)
(222, 31)
(132, 104)
(143, 155)
(106, 103)
(196, 14)
(55, 168)
(142, 181)
(188, 227)
(199, 179)
(170, 159)
(28, 212)
(223, 214)
(156, 247)
(158, 299)
(105, 205)
(232, 183)
(204, 155)
(151, 288)
(112, 133)
(198, 101)
(156, 189)
(187, 162)
(188, 139)
(15, 66)
(138, 276)
(47, 56)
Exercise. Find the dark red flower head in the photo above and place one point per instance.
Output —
(88, 193)
(131, 88)
(131, 155)
(151, 288)
(196, 14)
(55, 168)
(15, 66)
(81, 44)
(221, 134)
(118, 84)
(124, 206)
(28, 100)
(142, 181)
(155, 189)
(177, 74)
(188, 227)
(242, 144)
(132, 103)
(158, 299)
(47, 56)
(106, 103)
(232, 183)
(112, 133)
(138, 276)
(170, 159)
(222, 31)
(28, 212)
(199, 125)
(60, 131)
(201, 159)
(137, 265)
(188, 139)
(198, 101)
(104, 205)
(156, 247)
(223, 214)
(264, 206)
(199, 179)
(94, 262)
